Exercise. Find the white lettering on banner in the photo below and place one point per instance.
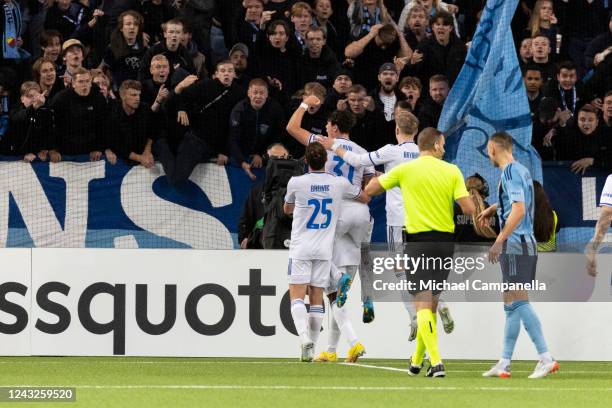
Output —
(590, 209)
(35, 208)
(77, 177)
(158, 216)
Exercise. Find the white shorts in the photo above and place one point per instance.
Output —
(354, 228)
(313, 273)
(395, 238)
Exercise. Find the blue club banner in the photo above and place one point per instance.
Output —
(489, 96)
(97, 205)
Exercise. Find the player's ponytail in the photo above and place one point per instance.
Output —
(475, 186)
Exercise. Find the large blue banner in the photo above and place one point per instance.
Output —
(98, 205)
(489, 96)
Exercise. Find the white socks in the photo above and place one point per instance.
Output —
(300, 319)
(334, 333)
(344, 323)
(315, 318)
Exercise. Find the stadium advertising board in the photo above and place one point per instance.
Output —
(225, 303)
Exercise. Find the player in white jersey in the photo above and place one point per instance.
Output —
(355, 224)
(603, 224)
(407, 126)
(316, 201)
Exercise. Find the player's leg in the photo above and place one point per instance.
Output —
(315, 313)
(299, 272)
(526, 265)
(395, 242)
(511, 332)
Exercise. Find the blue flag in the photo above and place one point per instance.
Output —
(489, 96)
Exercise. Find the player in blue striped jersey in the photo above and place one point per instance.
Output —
(516, 250)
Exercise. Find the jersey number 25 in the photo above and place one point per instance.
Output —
(320, 206)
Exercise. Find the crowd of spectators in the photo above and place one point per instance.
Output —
(188, 81)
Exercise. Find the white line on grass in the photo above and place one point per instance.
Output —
(304, 387)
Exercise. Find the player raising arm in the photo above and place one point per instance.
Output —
(603, 224)
(315, 200)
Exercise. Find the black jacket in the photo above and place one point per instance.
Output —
(552, 90)
(28, 130)
(371, 131)
(321, 70)
(599, 43)
(429, 114)
(81, 122)
(180, 57)
(209, 105)
(129, 133)
(271, 62)
(571, 144)
(439, 59)
(251, 131)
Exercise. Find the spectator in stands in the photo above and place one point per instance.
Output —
(156, 90)
(251, 219)
(124, 54)
(30, 125)
(411, 87)
(51, 44)
(544, 22)
(601, 81)
(570, 93)
(171, 48)
(319, 62)
(276, 58)
(545, 126)
(581, 142)
(73, 54)
(209, 103)
(155, 13)
(45, 75)
(416, 26)
(239, 55)
(248, 22)
(525, 52)
(341, 85)
(432, 7)
(532, 76)
(99, 78)
(581, 24)
(382, 44)
(132, 130)
(255, 123)
(66, 16)
(600, 47)
(429, 115)
(198, 59)
(545, 221)
(606, 121)
(81, 117)
(443, 53)
(371, 128)
(301, 18)
(540, 49)
(364, 15)
(322, 13)
(386, 94)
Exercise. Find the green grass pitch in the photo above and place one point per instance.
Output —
(207, 382)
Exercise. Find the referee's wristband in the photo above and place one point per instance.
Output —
(304, 105)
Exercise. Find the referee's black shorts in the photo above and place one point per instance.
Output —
(434, 248)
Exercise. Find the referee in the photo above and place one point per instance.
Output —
(429, 187)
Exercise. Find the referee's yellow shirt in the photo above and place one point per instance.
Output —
(429, 188)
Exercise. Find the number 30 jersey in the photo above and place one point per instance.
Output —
(317, 197)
